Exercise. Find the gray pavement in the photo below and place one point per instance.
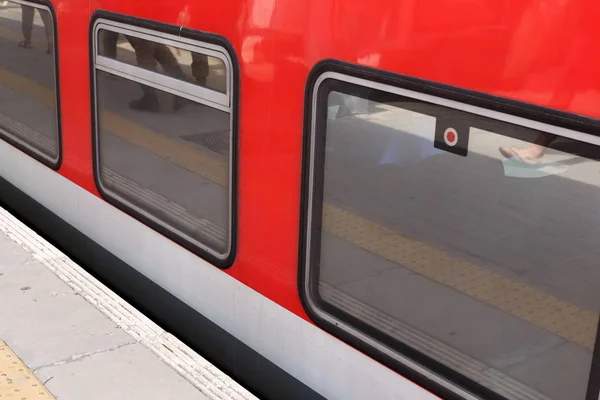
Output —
(71, 345)
(50, 316)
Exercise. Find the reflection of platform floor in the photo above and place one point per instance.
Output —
(216, 141)
(186, 221)
(449, 356)
(490, 345)
(31, 120)
(516, 169)
(23, 133)
(81, 340)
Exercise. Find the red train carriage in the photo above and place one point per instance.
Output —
(328, 199)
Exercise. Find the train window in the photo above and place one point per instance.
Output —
(29, 105)
(452, 240)
(164, 133)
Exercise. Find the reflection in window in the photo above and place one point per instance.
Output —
(28, 100)
(176, 62)
(471, 240)
(162, 156)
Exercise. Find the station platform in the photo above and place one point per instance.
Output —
(64, 335)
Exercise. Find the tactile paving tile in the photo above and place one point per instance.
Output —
(17, 382)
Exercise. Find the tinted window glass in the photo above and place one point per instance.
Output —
(28, 106)
(473, 241)
(163, 157)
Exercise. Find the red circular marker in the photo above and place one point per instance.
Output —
(450, 136)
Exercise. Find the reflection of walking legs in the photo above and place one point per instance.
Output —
(144, 54)
(47, 20)
(147, 54)
(169, 63)
(200, 68)
(530, 155)
(27, 26)
(109, 44)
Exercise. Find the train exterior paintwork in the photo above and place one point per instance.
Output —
(537, 52)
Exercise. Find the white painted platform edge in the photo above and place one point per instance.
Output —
(209, 380)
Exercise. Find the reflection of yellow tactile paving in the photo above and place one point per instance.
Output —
(175, 151)
(518, 299)
(24, 85)
(17, 382)
(534, 306)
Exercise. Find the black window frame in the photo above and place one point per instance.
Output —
(411, 363)
(53, 164)
(159, 28)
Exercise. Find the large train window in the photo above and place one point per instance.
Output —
(29, 104)
(453, 241)
(164, 131)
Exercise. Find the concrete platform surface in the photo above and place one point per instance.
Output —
(64, 335)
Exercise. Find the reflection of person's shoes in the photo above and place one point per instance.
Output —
(50, 49)
(25, 44)
(519, 155)
(145, 103)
